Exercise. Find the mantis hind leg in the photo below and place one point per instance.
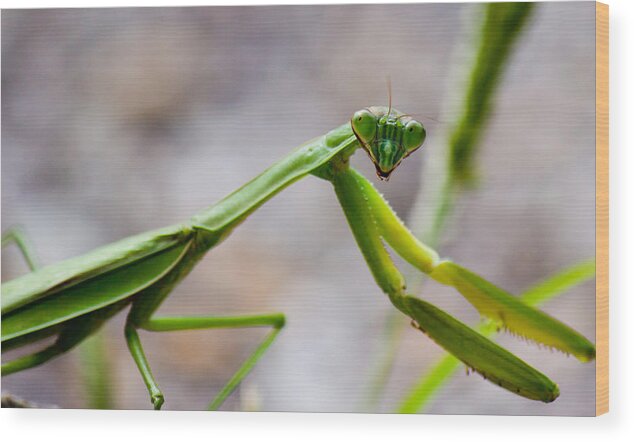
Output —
(166, 324)
(60, 346)
(16, 235)
(72, 333)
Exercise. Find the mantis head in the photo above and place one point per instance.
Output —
(387, 136)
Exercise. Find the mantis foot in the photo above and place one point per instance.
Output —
(157, 400)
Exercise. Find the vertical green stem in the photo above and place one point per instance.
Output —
(95, 371)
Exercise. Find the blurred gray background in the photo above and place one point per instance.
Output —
(117, 121)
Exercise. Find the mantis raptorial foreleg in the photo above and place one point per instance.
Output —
(490, 300)
(372, 221)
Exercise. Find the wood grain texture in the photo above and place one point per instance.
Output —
(602, 208)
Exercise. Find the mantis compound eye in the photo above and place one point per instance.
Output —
(388, 136)
(364, 125)
(413, 135)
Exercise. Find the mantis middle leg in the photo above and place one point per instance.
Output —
(167, 324)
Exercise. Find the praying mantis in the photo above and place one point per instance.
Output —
(72, 299)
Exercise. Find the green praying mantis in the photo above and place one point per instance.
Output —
(72, 299)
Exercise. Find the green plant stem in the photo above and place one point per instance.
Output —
(95, 371)
(392, 334)
(502, 25)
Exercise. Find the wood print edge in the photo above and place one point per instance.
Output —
(602, 209)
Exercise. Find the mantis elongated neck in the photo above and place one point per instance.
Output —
(220, 219)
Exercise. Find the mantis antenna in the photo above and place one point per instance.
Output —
(388, 79)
